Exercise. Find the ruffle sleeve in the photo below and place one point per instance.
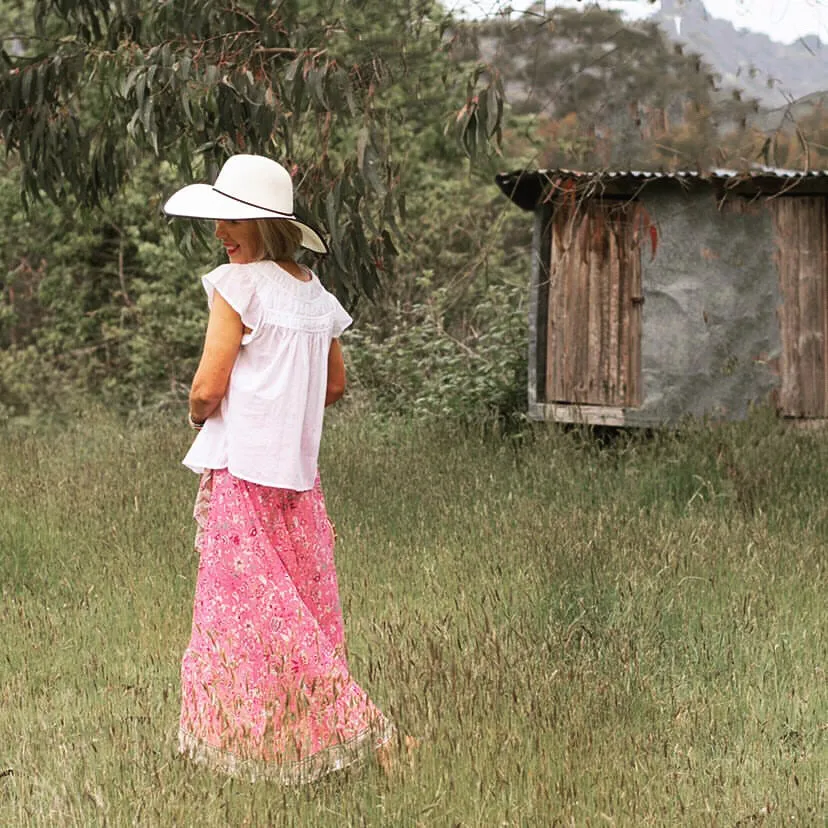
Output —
(237, 287)
(341, 318)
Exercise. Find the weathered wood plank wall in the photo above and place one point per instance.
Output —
(594, 323)
(801, 226)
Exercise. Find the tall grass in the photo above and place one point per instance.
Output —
(628, 631)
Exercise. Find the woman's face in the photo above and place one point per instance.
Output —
(241, 240)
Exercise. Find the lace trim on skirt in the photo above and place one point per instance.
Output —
(301, 772)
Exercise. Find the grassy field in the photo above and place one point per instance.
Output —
(581, 632)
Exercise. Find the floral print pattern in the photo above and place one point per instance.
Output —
(266, 690)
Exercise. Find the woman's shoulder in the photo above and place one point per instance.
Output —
(229, 269)
(237, 277)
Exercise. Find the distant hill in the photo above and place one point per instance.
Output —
(785, 117)
(773, 72)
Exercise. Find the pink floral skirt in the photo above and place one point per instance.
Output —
(265, 687)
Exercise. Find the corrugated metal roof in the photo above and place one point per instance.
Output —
(527, 187)
(713, 174)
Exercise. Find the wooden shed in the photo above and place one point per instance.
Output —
(655, 296)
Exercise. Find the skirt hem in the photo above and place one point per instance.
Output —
(303, 772)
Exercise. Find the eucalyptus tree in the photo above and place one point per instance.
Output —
(331, 88)
(624, 86)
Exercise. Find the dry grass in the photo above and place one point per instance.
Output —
(628, 632)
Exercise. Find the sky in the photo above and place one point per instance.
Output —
(783, 20)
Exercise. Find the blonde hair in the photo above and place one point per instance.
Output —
(279, 239)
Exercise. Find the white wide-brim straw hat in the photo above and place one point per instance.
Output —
(248, 187)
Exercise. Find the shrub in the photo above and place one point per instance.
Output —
(416, 365)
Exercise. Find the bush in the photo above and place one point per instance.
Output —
(424, 369)
(98, 302)
(105, 304)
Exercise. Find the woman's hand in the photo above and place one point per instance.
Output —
(221, 346)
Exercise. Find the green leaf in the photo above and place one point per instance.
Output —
(494, 109)
(129, 81)
(332, 207)
(146, 115)
(26, 85)
(132, 125)
(37, 134)
(42, 85)
(315, 81)
(363, 140)
(293, 69)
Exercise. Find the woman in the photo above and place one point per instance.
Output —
(266, 691)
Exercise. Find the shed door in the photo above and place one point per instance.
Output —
(801, 224)
(594, 322)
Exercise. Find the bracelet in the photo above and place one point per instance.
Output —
(195, 423)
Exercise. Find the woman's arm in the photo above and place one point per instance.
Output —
(336, 373)
(221, 346)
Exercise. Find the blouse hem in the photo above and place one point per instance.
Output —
(258, 481)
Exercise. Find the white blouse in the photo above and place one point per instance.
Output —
(269, 425)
